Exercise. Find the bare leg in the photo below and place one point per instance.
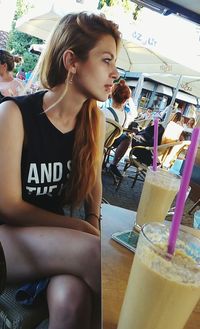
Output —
(36, 252)
(121, 150)
(70, 257)
(70, 304)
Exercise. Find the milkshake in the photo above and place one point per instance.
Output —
(159, 190)
(162, 291)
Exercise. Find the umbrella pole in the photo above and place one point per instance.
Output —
(169, 108)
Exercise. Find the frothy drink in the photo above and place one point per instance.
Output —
(161, 292)
(159, 190)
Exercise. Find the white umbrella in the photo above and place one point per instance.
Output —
(40, 22)
(134, 55)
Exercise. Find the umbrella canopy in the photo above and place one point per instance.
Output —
(40, 22)
(148, 48)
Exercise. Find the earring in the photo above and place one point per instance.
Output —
(71, 76)
(71, 79)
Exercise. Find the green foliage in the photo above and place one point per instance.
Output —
(136, 12)
(108, 3)
(126, 4)
(21, 9)
(19, 43)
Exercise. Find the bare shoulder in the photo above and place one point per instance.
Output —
(10, 115)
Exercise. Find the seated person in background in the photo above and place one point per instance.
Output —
(146, 138)
(133, 127)
(177, 118)
(191, 123)
(173, 130)
(9, 86)
(187, 129)
(120, 94)
(145, 115)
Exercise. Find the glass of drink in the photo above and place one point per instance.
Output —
(162, 289)
(159, 190)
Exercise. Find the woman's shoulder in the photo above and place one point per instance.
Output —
(26, 100)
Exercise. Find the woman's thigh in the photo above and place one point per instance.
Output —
(34, 252)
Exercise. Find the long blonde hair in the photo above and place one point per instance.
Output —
(80, 33)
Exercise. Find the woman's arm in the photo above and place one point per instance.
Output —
(13, 210)
(93, 204)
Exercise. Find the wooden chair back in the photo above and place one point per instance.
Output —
(113, 131)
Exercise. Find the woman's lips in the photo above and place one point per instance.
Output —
(108, 88)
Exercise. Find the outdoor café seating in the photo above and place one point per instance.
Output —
(167, 154)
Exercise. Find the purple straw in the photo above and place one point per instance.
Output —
(155, 145)
(181, 197)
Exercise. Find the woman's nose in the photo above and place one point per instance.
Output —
(115, 74)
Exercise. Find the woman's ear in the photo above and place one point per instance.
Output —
(69, 61)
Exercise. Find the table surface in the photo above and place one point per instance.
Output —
(116, 264)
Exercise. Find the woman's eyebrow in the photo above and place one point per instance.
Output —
(108, 53)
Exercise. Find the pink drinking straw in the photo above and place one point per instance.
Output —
(181, 197)
(155, 145)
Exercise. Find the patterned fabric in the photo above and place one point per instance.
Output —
(29, 293)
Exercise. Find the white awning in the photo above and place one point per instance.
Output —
(146, 85)
(164, 90)
(186, 98)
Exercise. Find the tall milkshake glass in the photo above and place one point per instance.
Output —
(162, 289)
(159, 190)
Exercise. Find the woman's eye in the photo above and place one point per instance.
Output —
(107, 60)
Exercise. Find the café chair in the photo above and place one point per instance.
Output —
(113, 131)
(143, 123)
(167, 154)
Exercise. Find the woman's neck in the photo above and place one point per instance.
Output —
(69, 105)
(6, 77)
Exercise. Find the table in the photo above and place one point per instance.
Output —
(116, 264)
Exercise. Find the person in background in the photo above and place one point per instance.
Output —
(51, 152)
(173, 130)
(9, 86)
(145, 137)
(177, 118)
(147, 115)
(21, 74)
(191, 123)
(120, 94)
(187, 129)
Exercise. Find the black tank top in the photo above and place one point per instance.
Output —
(46, 155)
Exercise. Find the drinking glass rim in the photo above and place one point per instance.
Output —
(165, 254)
(163, 170)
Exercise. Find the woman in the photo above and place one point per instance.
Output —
(9, 86)
(191, 123)
(51, 149)
(120, 94)
(173, 130)
(177, 118)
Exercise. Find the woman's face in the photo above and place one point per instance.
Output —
(191, 122)
(94, 77)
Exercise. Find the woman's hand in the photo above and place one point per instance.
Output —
(94, 221)
(88, 227)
